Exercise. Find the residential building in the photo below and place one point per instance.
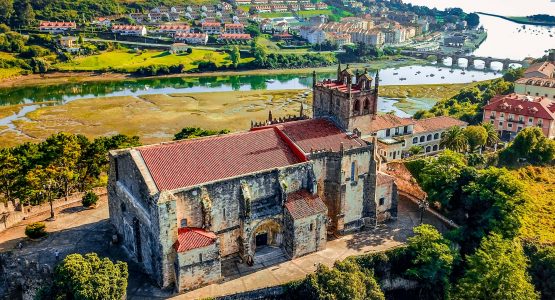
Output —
(56, 27)
(211, 27)
(69, 44)
(234, 28)
(340, 39)
(102, 22)
(179, 48)
(536, 86)
(511, 113)
(192, 38)
(282, 186)
(172, 29)
(313, 35)
(228, 37)
(138, 30)
(544, 69)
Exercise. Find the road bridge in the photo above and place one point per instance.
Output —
(470, 59)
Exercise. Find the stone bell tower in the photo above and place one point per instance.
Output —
(349, 100)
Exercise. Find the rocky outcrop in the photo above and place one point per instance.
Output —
(21, 278)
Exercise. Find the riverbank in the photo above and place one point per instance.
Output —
(89, 76)
(520, 20)
(157, 117)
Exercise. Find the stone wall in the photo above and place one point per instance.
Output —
(20, 278)
(11, 214)
(198, 267)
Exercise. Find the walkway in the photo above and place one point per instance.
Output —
(78, 230)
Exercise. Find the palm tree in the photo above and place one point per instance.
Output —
(454, 139)
(493, 135)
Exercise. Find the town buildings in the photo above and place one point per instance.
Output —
(172, 29)
(137, 30)
(192, 38)
(396, 135)
(512, 113)
(56, 27)
(544, 69)
(536, 86)
(181, 208)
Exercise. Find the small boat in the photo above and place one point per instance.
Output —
(270, 80)
(402, 78)
(463, 72)
(418, 72)
(442, 77)
(451, 71)
(440, 69)
(395, 73)
(432, 75)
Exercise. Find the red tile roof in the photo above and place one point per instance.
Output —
(437, 123)
(546, 68)
(192, 238)
(190, 162)
(538, 107)
(211, 24)
(235, 36)
(234, 25)
(384, 179)
(57, 24)
(302, 204)
(318, 134)
(128, 27)
(386, 121)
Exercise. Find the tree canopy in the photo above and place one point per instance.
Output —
(529, 144)
(195, 132)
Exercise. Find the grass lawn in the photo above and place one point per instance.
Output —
(129, 62)
(271, 15)
(430, 91)
(8, 73)
(539, 219)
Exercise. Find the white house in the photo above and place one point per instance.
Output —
(138, 30)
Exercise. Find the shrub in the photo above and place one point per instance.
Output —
(89, 199)
(35, 230)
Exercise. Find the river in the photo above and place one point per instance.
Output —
(506, 39)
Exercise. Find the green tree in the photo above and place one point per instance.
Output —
(493, 202)
(530, 144)
(24, 13)
(346, 281)
(497, 271)
(6, 10)
(89, 277)
(476, 136)
(61, 154)
(194, 132)
(492, 134)
(235, 56)
(415, 150)
(454, 139)
(10, 170)
(472, 19)
(439, 177)
(542, 269)
(433, 259)
(513, 74)
(259, 52)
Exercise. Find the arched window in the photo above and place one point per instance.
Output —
(353, 167)
(422, 139)
(415, 140)
(357, 106)
(436, 136)
(429, 137)
(428, 149)
(367, 104)
(435, 148)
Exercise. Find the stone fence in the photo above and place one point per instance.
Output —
(264, 293)
(11, 214)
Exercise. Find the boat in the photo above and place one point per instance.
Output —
(432, 75)
(463, 72)
(270, 80)
(395, 73)
(451, 71)
(442, 77)
(402, 78)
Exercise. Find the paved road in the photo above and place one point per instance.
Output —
(78, 230)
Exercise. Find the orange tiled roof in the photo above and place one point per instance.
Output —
(437, 123)
(192, 238)
(386, 121)
(302, 204)
(538, 107)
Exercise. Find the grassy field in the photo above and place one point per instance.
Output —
(430, 91)
(155, 118)
(317, 12)
(539, 220)
(129, 61)
(8, 72)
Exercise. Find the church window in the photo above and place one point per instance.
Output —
(382, 201)
(200, 257)
(353, 171)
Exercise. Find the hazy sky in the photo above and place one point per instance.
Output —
(502, 7)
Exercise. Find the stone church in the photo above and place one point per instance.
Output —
(182, 207)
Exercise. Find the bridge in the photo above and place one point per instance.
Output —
(470, 59)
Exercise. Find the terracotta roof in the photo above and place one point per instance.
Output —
(188, 35)
(318, 134)
(538, 107)
(547, 68)
(538, 81)
(235, 36)
(174, 27)
(389, 121)
(57, 24)
(128, 27)
(437, 123)
(404, 180)
(190, 162)
(383, 179)
(211, 24)
(192, 238)
(234, 25)
(302, 204)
